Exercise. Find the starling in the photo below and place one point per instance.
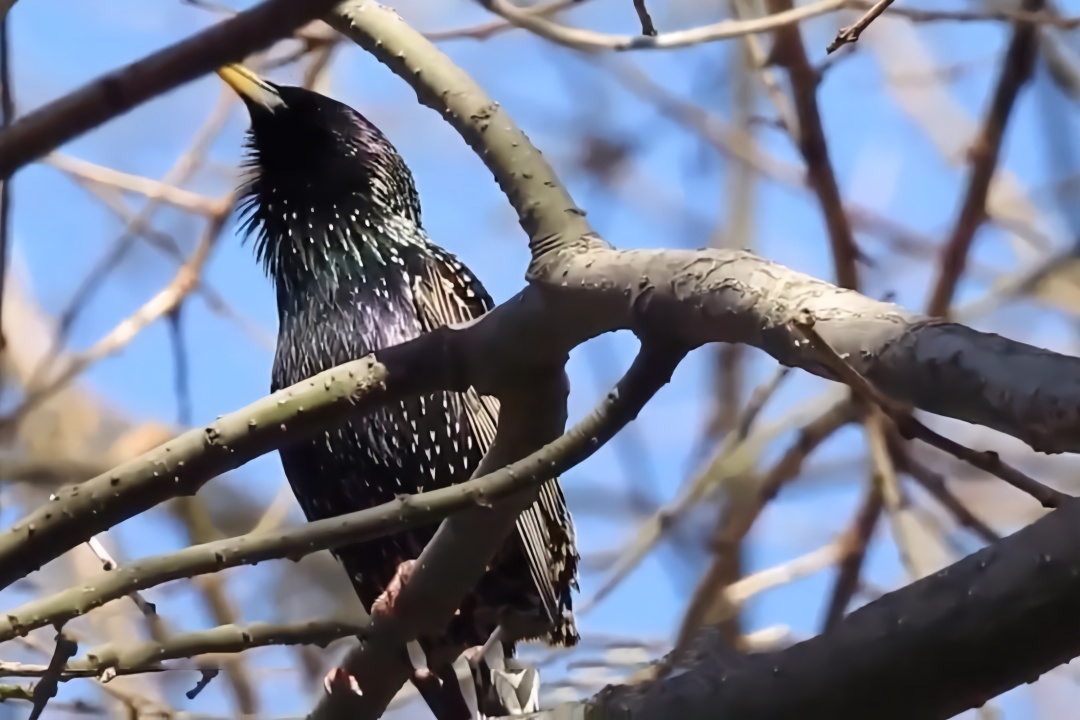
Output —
(336, 221)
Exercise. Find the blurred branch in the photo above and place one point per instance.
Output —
(491, 28)
(789, 52)
(45, 690)
(856, 542)
(152, 189)
(588, 40)
(851, 33)
(734, 461)
(7, 117)
(117, 92)
(110, 660)
(1016, 69)
(165, 302)
(200, 530)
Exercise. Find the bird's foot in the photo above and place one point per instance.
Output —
(385, 602)
(341, 680)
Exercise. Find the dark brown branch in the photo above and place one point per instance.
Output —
(45, 690)
(1016, 69)
(790, 53)
(942, 645)
(851, 33)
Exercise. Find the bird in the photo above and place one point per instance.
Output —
(336, 221)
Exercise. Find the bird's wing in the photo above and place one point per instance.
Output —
(447, 293)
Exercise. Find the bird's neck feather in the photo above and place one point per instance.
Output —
(313, 240)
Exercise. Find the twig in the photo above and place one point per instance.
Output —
(758, 399)
(146, 607)
(856, 543)
(735, 459)
(152, 189)
(910, 427)
(1016, 69)
(851, 33)
(45, 690)
(117, 92)
(715, 601)
(181, 371)
(789, 52)
(225, 639)
(935, 484)
(588, 40)
(192, 512)
(647, 27)
(491, 28)
(7, 117)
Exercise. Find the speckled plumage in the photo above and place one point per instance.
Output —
(336, 219)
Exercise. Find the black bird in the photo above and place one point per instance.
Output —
(336, 220)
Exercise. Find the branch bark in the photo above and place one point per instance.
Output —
(940, 646)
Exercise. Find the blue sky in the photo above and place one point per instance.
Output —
(671, 196)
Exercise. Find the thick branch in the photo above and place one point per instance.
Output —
(114, 94)
(403, 513)
(931, 650)
(183, 465)
(545, 209)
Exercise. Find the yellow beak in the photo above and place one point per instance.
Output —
(250, 87)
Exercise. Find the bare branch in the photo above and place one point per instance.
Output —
(851, 33)
(221, 640)
(45, 690)
(588, 40)
(809, 135)
(1016, 69)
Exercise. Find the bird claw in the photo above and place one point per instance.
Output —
(385, 602)
(341, 680)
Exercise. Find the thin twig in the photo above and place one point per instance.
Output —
(789, 52)
(856, 543)
(647, 27)
(7, 116)
(483, 31)
(152, 189)
(589, 40)
(1017, 67)
(851, 33)
(108, 563)
(45, 690)
(910, 427)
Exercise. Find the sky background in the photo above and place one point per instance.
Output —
(669, 195)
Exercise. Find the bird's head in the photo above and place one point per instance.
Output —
(319, 171)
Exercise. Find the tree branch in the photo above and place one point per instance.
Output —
(457, 556)
(183, 465)
(933, 649)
